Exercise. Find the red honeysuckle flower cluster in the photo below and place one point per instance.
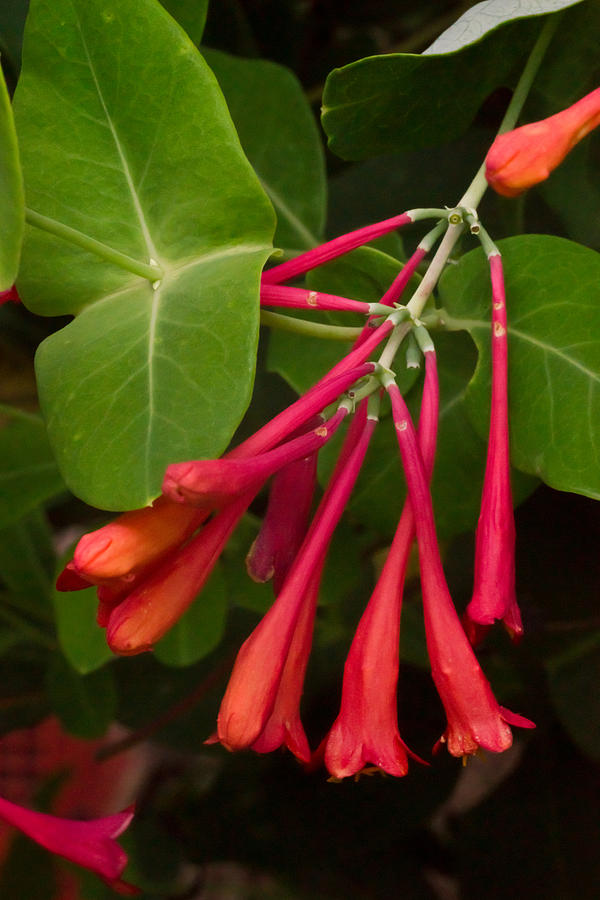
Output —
(149, 565)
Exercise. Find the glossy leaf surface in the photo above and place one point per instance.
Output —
(553, 304)
(393, 102)
(149, 164)
(280, 138)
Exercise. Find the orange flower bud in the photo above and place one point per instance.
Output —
(521, 158)
(134, 540)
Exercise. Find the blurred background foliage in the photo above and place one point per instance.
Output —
(221, 827)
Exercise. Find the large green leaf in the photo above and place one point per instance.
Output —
(280, 138)
(126, 138)
(28, 471)
(12, 209)
(401, 101)
(553, 302)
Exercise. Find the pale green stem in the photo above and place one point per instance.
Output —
(472, 196)
(58, 229)
(308, 329)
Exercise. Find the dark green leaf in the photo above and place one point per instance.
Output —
(572, 680)
(280, 138)
(149, 164)
(200, 629)
(12, 209)
(27, 560)
(191, 15)
(395, 102)
(28, 471)
(553, 301)
(85, 704)
(82, 640)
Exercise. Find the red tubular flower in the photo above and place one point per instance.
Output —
(475, 718)
(284, 727)
(90, 844)
(253, 687)
(285, 522)
(494, 586)
(299, 298)
(332, 249)
(521, 158)
(366, 729)
(138, 621)
(214, 482)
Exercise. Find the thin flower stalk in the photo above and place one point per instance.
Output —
(475, 718)
(494, 596)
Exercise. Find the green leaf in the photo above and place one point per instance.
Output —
(201, 628)
(82, 640)
(149, 165)
(572, 681)
(85, 704)
(27, 558)
(364, 275)
(191, 15)
(484, 17)
(12, 204)
(28, 471)
(394, 102)
(280, 138)
(553, 302)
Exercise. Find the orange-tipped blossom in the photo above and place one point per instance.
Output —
(254, 683)
(135, 540)
(494, 595)
(138, 621)
(521, 158)
(475, 719)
